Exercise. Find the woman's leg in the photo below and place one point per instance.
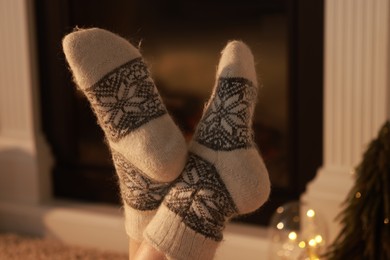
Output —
(133, 248)
(224, 175)
(148, 149)
(147, 252)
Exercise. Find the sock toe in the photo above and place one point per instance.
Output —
(237, 61)
(92, 53)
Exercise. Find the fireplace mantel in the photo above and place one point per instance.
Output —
(356, 103)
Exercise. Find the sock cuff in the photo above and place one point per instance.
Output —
(168, 234)
(136, 221)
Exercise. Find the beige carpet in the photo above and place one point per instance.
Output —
(26, 248)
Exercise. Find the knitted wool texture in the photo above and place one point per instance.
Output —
(148, 149)
(224, 175)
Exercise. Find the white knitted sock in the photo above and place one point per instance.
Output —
(148, 149)
(224, 175)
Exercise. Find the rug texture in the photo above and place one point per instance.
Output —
(26, 248)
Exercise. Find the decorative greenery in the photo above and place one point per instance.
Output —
(365, 232)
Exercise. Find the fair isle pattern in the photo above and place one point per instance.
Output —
(200, 197)
(125, 99)
(137, 190)
(225, 126)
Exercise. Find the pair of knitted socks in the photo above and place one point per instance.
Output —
(177, 198)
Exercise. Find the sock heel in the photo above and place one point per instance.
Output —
(243, 172)
(246, 178)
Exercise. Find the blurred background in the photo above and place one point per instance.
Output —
(323, 66)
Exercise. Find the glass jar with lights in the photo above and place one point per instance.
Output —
(297, 231)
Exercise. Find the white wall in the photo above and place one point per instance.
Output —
(24, 157)
(356, 96)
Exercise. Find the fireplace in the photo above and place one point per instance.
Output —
(181, 41)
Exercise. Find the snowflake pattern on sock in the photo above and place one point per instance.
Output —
(125, 99)
(200, 197)
(226, 126)
(137, 190)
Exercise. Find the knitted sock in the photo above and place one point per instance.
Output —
(224, 175)
(148, 149)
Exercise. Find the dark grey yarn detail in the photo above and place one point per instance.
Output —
(137, 190)
(125, 99)
(226, 124)
(201, 198)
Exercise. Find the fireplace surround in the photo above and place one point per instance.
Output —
(181, 42)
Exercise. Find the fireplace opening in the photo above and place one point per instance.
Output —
(181, 42)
